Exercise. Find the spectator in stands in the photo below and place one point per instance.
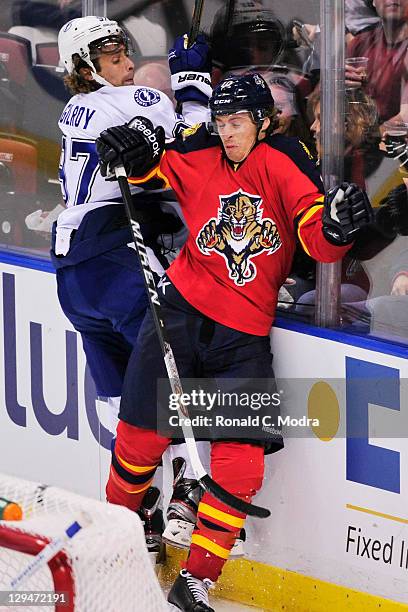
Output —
(361, 157)
(45, 13)
(385, 45)
(155, 74)
(360, 15)
(292, 108)
(362, 136)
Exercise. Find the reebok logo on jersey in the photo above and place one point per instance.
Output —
(146, 97)
(239, 234)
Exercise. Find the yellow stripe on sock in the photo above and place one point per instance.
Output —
(120, 485)
(135, 468)
(229, 519)
(212, 547)
(139, 490)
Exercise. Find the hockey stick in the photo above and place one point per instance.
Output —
(195, 22)
(174, 378)
(229, 13)
(189, 39)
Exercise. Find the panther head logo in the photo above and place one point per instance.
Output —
(238, 234)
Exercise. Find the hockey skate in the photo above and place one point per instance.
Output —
(152, 518)
(183, 506)
(182, 511)
(190, 594)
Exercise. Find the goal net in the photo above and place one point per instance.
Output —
(105, 567)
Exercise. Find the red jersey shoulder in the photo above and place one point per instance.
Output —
(299, 154)
(194, 138)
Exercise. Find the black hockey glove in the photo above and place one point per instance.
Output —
(397, 148)
(346, 209)
(392, 215)
(136, 145)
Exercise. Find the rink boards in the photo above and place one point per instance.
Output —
(338, 492)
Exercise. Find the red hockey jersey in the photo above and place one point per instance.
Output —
(242, 221)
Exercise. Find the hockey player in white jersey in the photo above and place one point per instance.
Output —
(100, 285)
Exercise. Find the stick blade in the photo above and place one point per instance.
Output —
(230, 500)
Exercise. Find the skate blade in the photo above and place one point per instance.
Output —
(158, 557)
(153, 556)
(237, 550)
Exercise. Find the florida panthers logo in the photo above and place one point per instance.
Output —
(239, 234)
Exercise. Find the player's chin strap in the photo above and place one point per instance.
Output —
(96, 77)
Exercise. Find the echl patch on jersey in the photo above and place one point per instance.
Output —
(146, 97)
(238, 234)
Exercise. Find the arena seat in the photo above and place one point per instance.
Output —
(15, 54)
(20, 156)
(36, 37)
(47, 54)
(18, 186)
(15, 68)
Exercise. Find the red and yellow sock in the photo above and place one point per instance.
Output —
(238, 468)
(136, 454)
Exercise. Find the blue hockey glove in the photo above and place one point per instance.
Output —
(346, 210)
(190, 70)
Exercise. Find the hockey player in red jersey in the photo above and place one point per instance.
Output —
(246, 194)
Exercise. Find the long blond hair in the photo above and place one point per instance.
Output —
(75, 82)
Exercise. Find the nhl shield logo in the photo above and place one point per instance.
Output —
(239, 234)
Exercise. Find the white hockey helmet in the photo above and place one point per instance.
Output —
(77, 36)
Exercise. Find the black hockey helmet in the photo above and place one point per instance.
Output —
(244, 93)
(255, 37)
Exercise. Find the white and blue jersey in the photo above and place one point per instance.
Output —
(81, 122)
(100, 285)
(85, 117)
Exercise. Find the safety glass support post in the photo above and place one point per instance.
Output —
(327, 312)
(94, 7)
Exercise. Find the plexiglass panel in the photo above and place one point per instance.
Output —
(282, 40)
